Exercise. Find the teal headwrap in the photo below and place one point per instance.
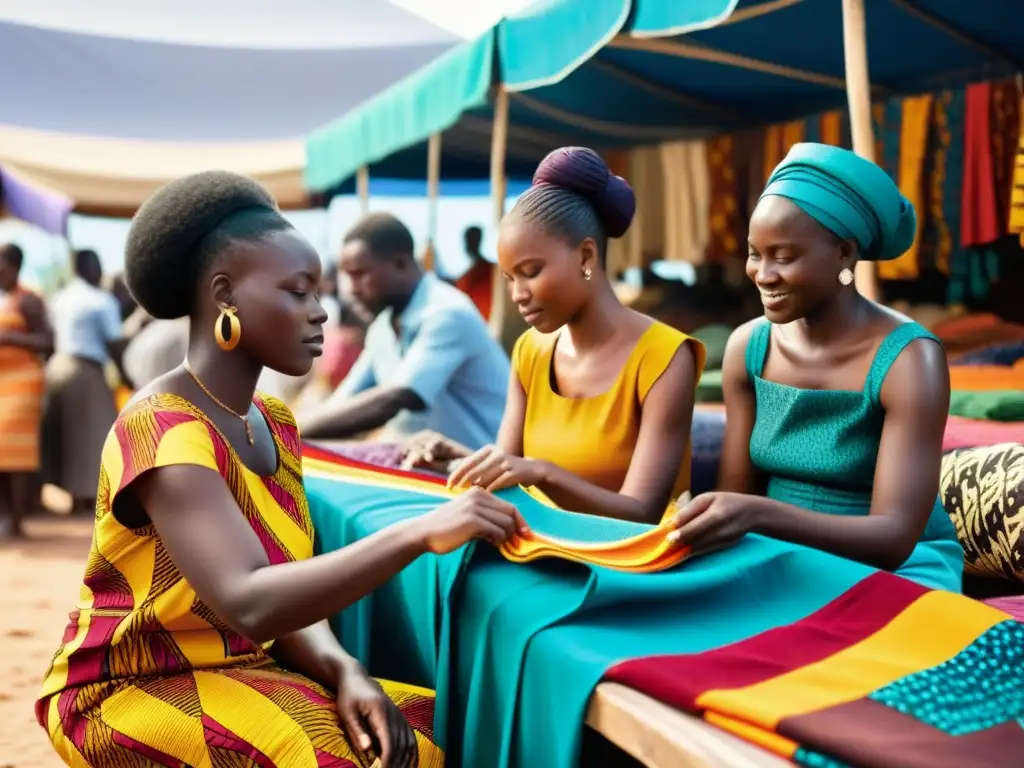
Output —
(848, 195)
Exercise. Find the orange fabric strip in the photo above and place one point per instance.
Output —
(648, 552)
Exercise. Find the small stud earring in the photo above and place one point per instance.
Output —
(587, 273)
(846, 276)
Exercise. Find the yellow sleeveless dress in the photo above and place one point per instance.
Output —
(595, 437)
(147, 674)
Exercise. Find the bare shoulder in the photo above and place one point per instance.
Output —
(918, 378)
(922, 359)
(736, 346)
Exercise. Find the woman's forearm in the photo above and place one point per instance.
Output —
(315, 653)
(881, 541)
(277, 600)
(30, 340)
(571, 491)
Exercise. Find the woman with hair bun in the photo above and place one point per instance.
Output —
(200, 636)
(601, 397)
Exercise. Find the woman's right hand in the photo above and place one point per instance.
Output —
(475, 514)
(431, 450)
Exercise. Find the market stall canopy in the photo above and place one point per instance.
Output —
(103, 107)
(622, 73)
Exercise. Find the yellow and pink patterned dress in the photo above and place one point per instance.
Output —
(147, 674)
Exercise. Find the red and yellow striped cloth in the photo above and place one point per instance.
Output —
(888, 674)
(647, 552)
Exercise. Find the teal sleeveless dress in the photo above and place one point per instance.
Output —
(818, 449)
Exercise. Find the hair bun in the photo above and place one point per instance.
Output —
(583, 171)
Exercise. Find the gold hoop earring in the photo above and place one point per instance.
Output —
(587, 273)
(227, 314)
(846, 276)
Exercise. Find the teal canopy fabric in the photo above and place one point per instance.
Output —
(553, 38)
(663, 19)
(518, 52)
(430, 100)
(622, 73)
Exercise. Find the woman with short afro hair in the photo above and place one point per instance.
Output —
(200, 636)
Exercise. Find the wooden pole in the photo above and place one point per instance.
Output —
(506, 323)
(858, 94)
(363, 189)
(433, 198)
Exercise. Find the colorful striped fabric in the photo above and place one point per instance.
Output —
(825, 661)
(148, 674)
(21, 393)
(870, 679)
(624, 546)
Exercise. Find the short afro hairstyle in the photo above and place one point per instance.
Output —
(178, 232)
(384, 235)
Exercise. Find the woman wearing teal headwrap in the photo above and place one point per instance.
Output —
(836, 406)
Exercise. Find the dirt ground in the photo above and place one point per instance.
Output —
(39, 581)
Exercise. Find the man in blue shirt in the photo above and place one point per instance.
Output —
(429, 361)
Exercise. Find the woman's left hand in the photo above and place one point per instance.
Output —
(492, 469)
(373, 723)
(712, 520)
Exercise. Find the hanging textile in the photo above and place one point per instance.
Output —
(830, 126)
(888, 131)
(878, 120)
(1006, 103)
(618, 162)
(1017, 196)
(749, 151)
(726, 224)
(825, 128)
(978, 221)
(687, 201)
(945, 175)
(913, 143)
(778, 140)
(645, 240)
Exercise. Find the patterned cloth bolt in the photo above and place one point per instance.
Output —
(983, 492)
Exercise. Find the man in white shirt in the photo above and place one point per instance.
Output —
(79, 403)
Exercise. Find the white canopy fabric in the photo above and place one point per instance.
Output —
(267, 24)
(104, 107)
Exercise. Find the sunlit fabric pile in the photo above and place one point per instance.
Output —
(515, 649)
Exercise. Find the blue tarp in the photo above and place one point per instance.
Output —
(621, 73)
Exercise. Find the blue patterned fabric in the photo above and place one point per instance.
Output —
(816, 760)
(979, 688)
